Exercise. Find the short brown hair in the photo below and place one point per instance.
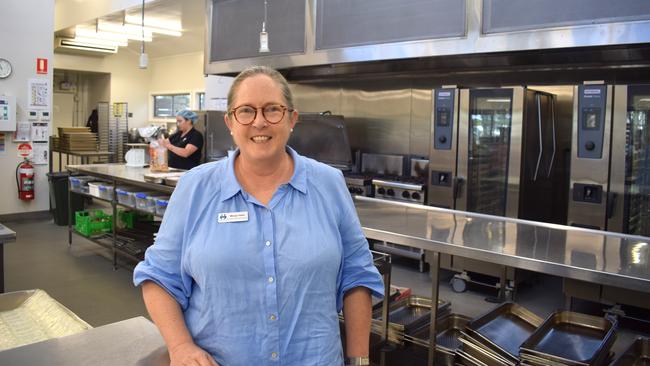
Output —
(261, 70)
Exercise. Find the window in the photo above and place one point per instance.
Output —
(166, 106)
(200, 97)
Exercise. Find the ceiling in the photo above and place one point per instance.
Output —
(191, 14)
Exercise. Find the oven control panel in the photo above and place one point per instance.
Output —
(443, 119)
(591, 120)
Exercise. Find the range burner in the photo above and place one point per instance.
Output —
(400, 188)
(359, 184)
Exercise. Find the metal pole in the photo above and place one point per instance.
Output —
(434, 268)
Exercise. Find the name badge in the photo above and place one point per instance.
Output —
(226, 217)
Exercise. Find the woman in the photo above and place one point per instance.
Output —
(186, 143)
(258, 253)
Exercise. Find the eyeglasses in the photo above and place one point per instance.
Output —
(273, 113)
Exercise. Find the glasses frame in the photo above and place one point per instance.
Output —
(233, 112)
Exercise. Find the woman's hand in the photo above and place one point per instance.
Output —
(165, 143)
(189, 354)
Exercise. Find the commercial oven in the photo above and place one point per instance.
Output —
(495, 151)
(610, 179)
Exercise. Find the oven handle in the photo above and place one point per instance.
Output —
(539, 126)
(550, 165)
(458, 184)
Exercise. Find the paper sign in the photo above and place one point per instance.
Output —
(24, 150)
(2, 143)
(39, 132)
(22, 131)
(38, 93)
(40, 153)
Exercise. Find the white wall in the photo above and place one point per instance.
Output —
(128, 83)
(25, 34)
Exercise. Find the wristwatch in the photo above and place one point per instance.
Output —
(357, 361)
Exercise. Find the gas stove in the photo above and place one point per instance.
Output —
(359, 184)
(399, 188)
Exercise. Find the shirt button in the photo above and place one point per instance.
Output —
(270, 279)
(274, 355)
(268, 243)
(272, 317)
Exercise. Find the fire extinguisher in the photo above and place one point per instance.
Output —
(25, 180)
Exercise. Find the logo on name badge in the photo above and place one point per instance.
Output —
(226, 217)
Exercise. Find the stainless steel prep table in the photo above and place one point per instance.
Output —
(134, 341)
(6, 236)
(116, 174)
(581, 254)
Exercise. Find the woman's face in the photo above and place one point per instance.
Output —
(183, 124)
(260, 140)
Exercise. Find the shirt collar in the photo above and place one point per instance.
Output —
(230, 186)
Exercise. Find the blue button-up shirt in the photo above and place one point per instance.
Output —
(262, 285)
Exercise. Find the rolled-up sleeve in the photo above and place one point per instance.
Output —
(358, 268)
(162, 260)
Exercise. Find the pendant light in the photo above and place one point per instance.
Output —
(264, 36)
(144, 59)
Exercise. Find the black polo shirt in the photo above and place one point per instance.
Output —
(193, 137)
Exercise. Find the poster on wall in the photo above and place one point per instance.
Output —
(39, 132)
(2, 143)
(38, 93)
(22, 131)
(40, 153)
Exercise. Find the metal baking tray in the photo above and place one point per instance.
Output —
(572, 338)
(489, 356)
(32, 316)
(410, 313)
(638, 354)
(448, 330)
(172, 181)
(505, 328)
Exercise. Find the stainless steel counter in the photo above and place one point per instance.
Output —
(134, 341)
(6, 236)
(120, 173)
(594, 256)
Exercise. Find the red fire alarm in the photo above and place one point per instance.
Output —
(41, 66)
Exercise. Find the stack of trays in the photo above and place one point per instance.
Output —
(638, 354)
(406, 316)
(76, 139)
(494, 338)
(448, 330)
(568, 338)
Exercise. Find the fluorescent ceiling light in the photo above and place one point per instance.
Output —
(498, 100)
(135, 29)
(160, 24)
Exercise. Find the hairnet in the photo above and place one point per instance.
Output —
(188, 115)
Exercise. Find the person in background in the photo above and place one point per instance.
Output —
(258, 253)
(186, 143)
(93, 121)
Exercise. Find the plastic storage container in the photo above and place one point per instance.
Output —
(161, 206)
(93, 188)
(106, 191)
(126, 195)
(93, 222)
(80, 183)
(151, 202)
(142, 202)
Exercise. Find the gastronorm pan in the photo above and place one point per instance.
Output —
(33, 316)
(638, 354)
(410, 313)
(159, 178)
(572, 338)
(448, 330)
(484, 353)
(505, 327)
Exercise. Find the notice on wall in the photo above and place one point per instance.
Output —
(38, 93)
(2, 144)
(39, 132)
(22, 131)
(40, 153)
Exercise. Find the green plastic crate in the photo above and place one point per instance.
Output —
(89, 223)
(128, 219)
